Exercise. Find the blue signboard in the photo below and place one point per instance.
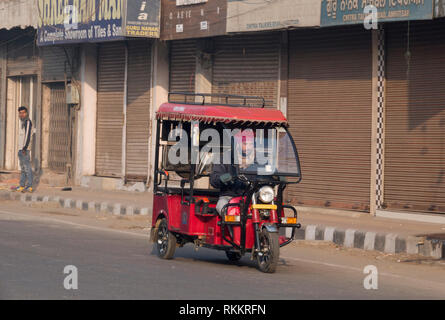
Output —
(342, 12)
(75, 21)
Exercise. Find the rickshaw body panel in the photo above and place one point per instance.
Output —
(170, 207)
(182, 219)
(177, 214)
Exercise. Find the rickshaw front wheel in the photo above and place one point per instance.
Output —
(269, 253)
(233, 256)
(166, 241)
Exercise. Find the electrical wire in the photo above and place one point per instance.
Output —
(16, 38)
(32, 42)
(408, 52)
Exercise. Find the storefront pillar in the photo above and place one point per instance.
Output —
(378, 117)
(2, 105)
(86, 128)
(160, 87)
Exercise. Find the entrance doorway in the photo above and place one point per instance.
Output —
(59, 139)
(21, 91)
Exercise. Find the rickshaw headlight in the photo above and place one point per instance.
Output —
(266, 194)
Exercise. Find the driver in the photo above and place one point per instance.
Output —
(223, 176)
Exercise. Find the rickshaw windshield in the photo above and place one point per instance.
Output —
(266, 152)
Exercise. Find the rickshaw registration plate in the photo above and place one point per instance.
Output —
(265, 206)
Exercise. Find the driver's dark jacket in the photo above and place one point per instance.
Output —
(235, 189)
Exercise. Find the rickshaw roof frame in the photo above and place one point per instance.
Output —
(214, 113)
(217, 95)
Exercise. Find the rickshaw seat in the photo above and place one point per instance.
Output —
(203, 208)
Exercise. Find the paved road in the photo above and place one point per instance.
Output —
(115, 264)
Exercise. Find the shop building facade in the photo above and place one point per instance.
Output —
(364, 106)
(345, 91)
(406, 145)
(37, 78)
(115, 86)
(20, 81)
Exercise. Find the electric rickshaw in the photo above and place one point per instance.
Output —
(196, 132)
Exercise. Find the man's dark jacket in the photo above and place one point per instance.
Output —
(234, 189)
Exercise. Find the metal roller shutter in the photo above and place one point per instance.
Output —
(329, 110)
(182, 65)
(248, 65)
(54, 60)
(110, 101)
(59, 129)
(138, 109)
(415, 117)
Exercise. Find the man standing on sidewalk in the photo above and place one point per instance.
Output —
(25, 132)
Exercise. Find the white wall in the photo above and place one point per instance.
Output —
(160, 82)
(18, 13)
(11, 125)
(86, 125)
(245, 16)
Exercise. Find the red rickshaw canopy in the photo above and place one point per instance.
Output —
(221, 113)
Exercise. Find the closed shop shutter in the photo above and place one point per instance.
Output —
(138, 109)
(182, 65)
(110, 102)
(247, 65)
(329, 110)
(54, 63)
(59, 129)
(415, 117)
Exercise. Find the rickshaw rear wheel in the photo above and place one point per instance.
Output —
(267, 257)
(165, 240)
(233, 256)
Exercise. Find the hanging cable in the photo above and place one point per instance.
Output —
(408, 52)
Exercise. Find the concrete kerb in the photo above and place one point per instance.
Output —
(68, 203)
(368, 240)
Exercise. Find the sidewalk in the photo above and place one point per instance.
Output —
(363, 231)
(349, 229)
